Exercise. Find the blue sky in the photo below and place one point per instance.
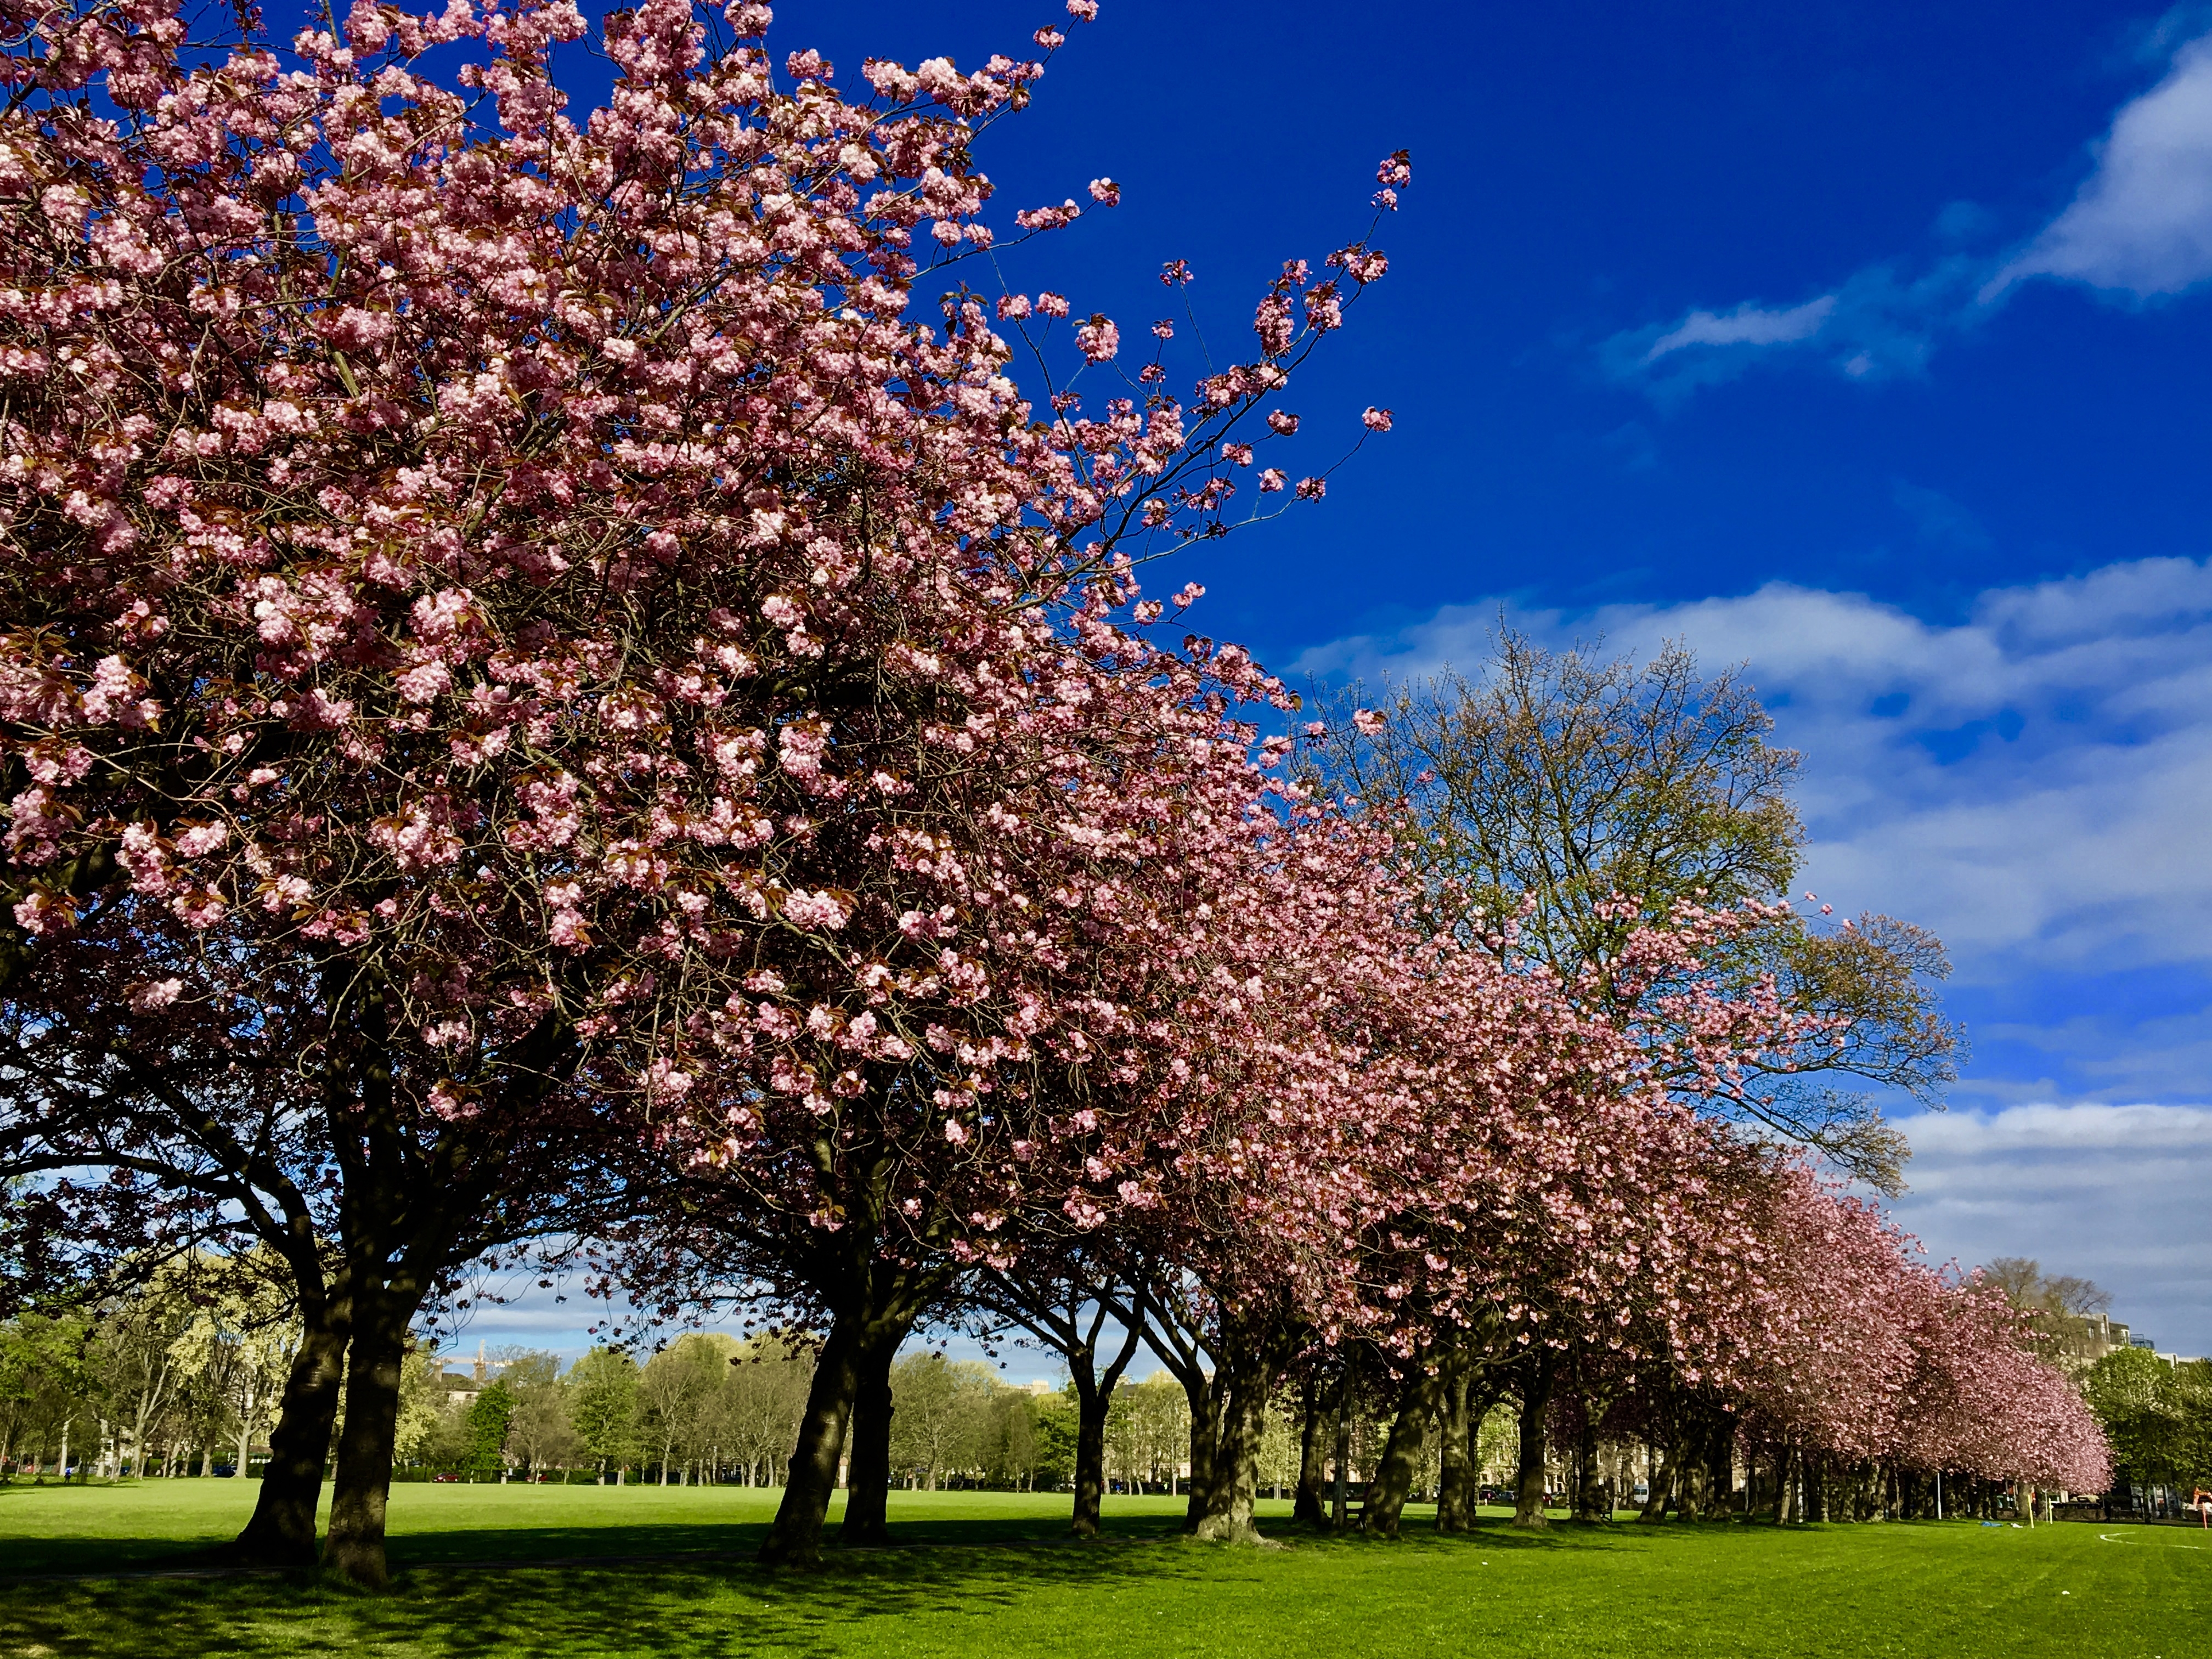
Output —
(1865, 344)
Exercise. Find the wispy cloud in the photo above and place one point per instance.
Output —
(2140, 226)
(1747, 325)
(1879, 324)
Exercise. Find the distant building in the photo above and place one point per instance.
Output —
(2080, 1340)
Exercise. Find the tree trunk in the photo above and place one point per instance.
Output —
(1240, 1392)
(1385, 1504)
(1458, 1481)
(1717, 1481)
(282, 1533)
(1204, 1395)
(868, 1469)
(1664, 1474)
(1306, 1506)
(355, 1548)
(245, 1427)
(795, 1538)
(1535, 1397)
(1589, 1496)
(1339, 1498)
(1091, 1405)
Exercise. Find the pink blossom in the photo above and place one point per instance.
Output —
(1098, 339)
(825, 909)
(152, 995)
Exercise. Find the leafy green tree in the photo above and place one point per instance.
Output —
(940, 1413)
(2157, 1417)
(603, 1406)
(756, 1412)
(1008, 1452)
(1056, 1426)
(1148, 1431)
(677, 1392)
(542, 1434)
(423, 1413)
(490, 1419)
(46, 1384)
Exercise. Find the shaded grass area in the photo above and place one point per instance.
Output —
(180, 1523)
(1920, 1590)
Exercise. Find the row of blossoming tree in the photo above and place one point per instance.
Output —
(558, 695)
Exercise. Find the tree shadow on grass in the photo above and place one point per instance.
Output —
(23, 1556)
(959, 1570)
(679, 1611)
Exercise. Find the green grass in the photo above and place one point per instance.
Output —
(1918, 1591)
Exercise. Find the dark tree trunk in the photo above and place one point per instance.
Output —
(811, 1477)
(354, 1549)
(1590, 1497)
(282, 1533)
(868, 1464)
(1535, 1397)
(1339, 1510)
(1307, 1508)
(1385, 1505)
(1204, 1394)
(1240, 1404)
(1664, 1473)
(1091, 1405)
(1457, 1483)
(1719, 1475)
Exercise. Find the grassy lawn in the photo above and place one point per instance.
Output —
(1918, 1590)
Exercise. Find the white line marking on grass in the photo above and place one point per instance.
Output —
(2114, 1538)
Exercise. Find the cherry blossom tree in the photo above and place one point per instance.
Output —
(526, 583)
(539, 698)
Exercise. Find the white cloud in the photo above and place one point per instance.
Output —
(2114, 1193)
(1877, 324)
(2032, 782)
(2142, 223)
(1747, 325)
